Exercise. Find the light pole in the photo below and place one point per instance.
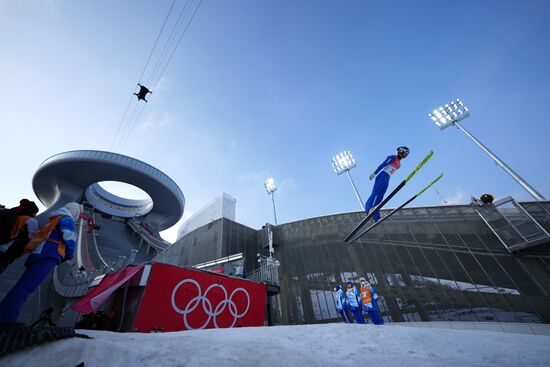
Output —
(344, 162)
(450, 114)
(270, 188)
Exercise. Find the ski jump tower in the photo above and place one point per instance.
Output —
(74, 176)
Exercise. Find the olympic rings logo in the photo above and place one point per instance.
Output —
(206, 304)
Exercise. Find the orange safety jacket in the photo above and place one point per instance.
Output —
(366, 295)
(43, 235)
(18, 226)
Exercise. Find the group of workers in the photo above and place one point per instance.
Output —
(46, 247)
(356, 302)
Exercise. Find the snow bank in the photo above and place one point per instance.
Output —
(307, 345)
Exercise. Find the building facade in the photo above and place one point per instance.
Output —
(427, 264)
(215, 242)
(221, 207)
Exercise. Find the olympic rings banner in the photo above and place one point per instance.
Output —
(184, 299)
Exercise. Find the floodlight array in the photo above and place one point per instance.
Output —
(450, 113)
(343, 162)
(270, 185)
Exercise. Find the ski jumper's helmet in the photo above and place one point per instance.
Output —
(403, 151)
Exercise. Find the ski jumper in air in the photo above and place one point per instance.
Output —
(382, 174)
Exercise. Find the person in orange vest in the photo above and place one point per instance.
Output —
(20, 225)
(370, 300)
(54, 243)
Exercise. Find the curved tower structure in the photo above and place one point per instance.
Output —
(74, 176)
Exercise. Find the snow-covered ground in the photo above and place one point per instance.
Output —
(307, 345)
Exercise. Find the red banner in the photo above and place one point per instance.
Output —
(183, 299)
(92, 301)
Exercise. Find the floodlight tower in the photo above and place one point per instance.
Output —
(270, 188)
(344, 162)
(450, 114)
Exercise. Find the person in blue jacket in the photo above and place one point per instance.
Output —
(342, 305)
(59, 246)
(382, 174)
(355, 304)
(370, 302)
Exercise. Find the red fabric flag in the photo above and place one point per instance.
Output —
(110, 283)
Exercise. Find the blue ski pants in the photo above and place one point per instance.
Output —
(374, 315)
(344, 313)
(358, 315)
(379, 189)
(33, 276)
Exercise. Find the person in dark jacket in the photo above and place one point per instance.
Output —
(23, 228)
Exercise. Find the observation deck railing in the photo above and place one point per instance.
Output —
(268, 272)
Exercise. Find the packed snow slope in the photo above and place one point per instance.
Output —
(307, 345)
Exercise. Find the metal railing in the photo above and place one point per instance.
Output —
(268, 272)
(511, 223)
(104, 263)
(157, 243)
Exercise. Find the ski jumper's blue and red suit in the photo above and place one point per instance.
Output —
(383, 172)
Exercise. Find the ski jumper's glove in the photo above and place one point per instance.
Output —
(372, 175)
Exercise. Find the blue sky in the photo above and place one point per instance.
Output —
(276, 88)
